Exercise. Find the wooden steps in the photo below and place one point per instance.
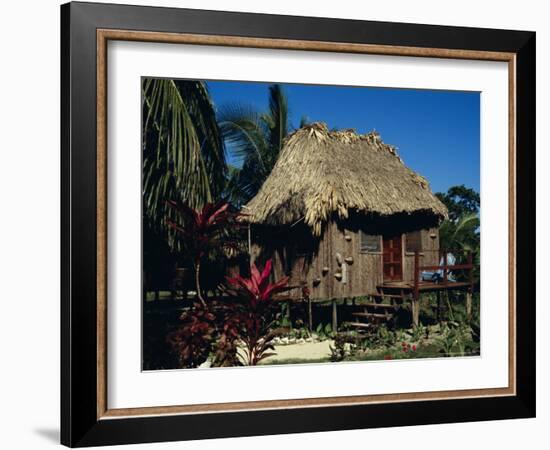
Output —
(372, 315)
(359, 325)
(376, 313)
(380, 305)
(381, 295)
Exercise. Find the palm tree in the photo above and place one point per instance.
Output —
(256, 140)
(461, 230)
(183, 161)
(183, 152)
(461, 234)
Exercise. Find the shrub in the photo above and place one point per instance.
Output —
(204, 231)
(254, 312)
(192, 340)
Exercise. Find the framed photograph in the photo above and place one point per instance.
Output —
(276, 224)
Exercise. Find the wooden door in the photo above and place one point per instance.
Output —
(392, 249)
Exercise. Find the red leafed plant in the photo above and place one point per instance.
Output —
(204, 332)
(204, 231)
(192, 340)
(206, 329)
(255, 311)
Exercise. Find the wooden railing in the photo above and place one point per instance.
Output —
(445, 268)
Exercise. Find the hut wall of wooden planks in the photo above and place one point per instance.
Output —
(336, 265)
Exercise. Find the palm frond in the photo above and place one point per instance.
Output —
(243, 131)
(278, 112)
(183, 153)
(255, 141)
(461, 234)
(467, 222)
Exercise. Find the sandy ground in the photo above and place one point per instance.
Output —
(305, 351)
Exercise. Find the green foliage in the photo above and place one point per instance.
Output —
(282, 319)
(406, 351)
(387, 337)
(324, 331)
(255, 139)
(461, 231)
(462, 228)
(183, 160)
(347, 346)
(380, 336)
(338, 351)
(460, 201)
(463, 234)
(454, 339)
(419, 332)
(183, 152)
(299, 333)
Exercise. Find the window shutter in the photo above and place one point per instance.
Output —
(413, 241)
(369, 242)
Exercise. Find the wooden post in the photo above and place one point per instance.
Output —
(416, 273)
(415, 304)
(334, 316)
(445, 267)
(310, 315)
(415, 311)
(470, 291)
(471, 264)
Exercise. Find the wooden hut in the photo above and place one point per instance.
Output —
(341, 214)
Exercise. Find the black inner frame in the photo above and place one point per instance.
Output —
(79, 425)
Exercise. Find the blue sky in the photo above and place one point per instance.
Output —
(436, 132)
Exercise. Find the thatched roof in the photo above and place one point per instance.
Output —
(322, 173)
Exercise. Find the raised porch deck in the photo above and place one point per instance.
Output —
(424, 286)
(411, 290)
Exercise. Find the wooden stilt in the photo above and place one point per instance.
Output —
(415, 311)
(415, 305)
(310, 315)
(334, 316)
(416, 293)
(470, 292)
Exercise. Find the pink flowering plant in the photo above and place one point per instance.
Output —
(204, 231)
(208, 327)
(255, 311)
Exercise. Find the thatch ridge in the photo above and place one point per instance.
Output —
(321, 173)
